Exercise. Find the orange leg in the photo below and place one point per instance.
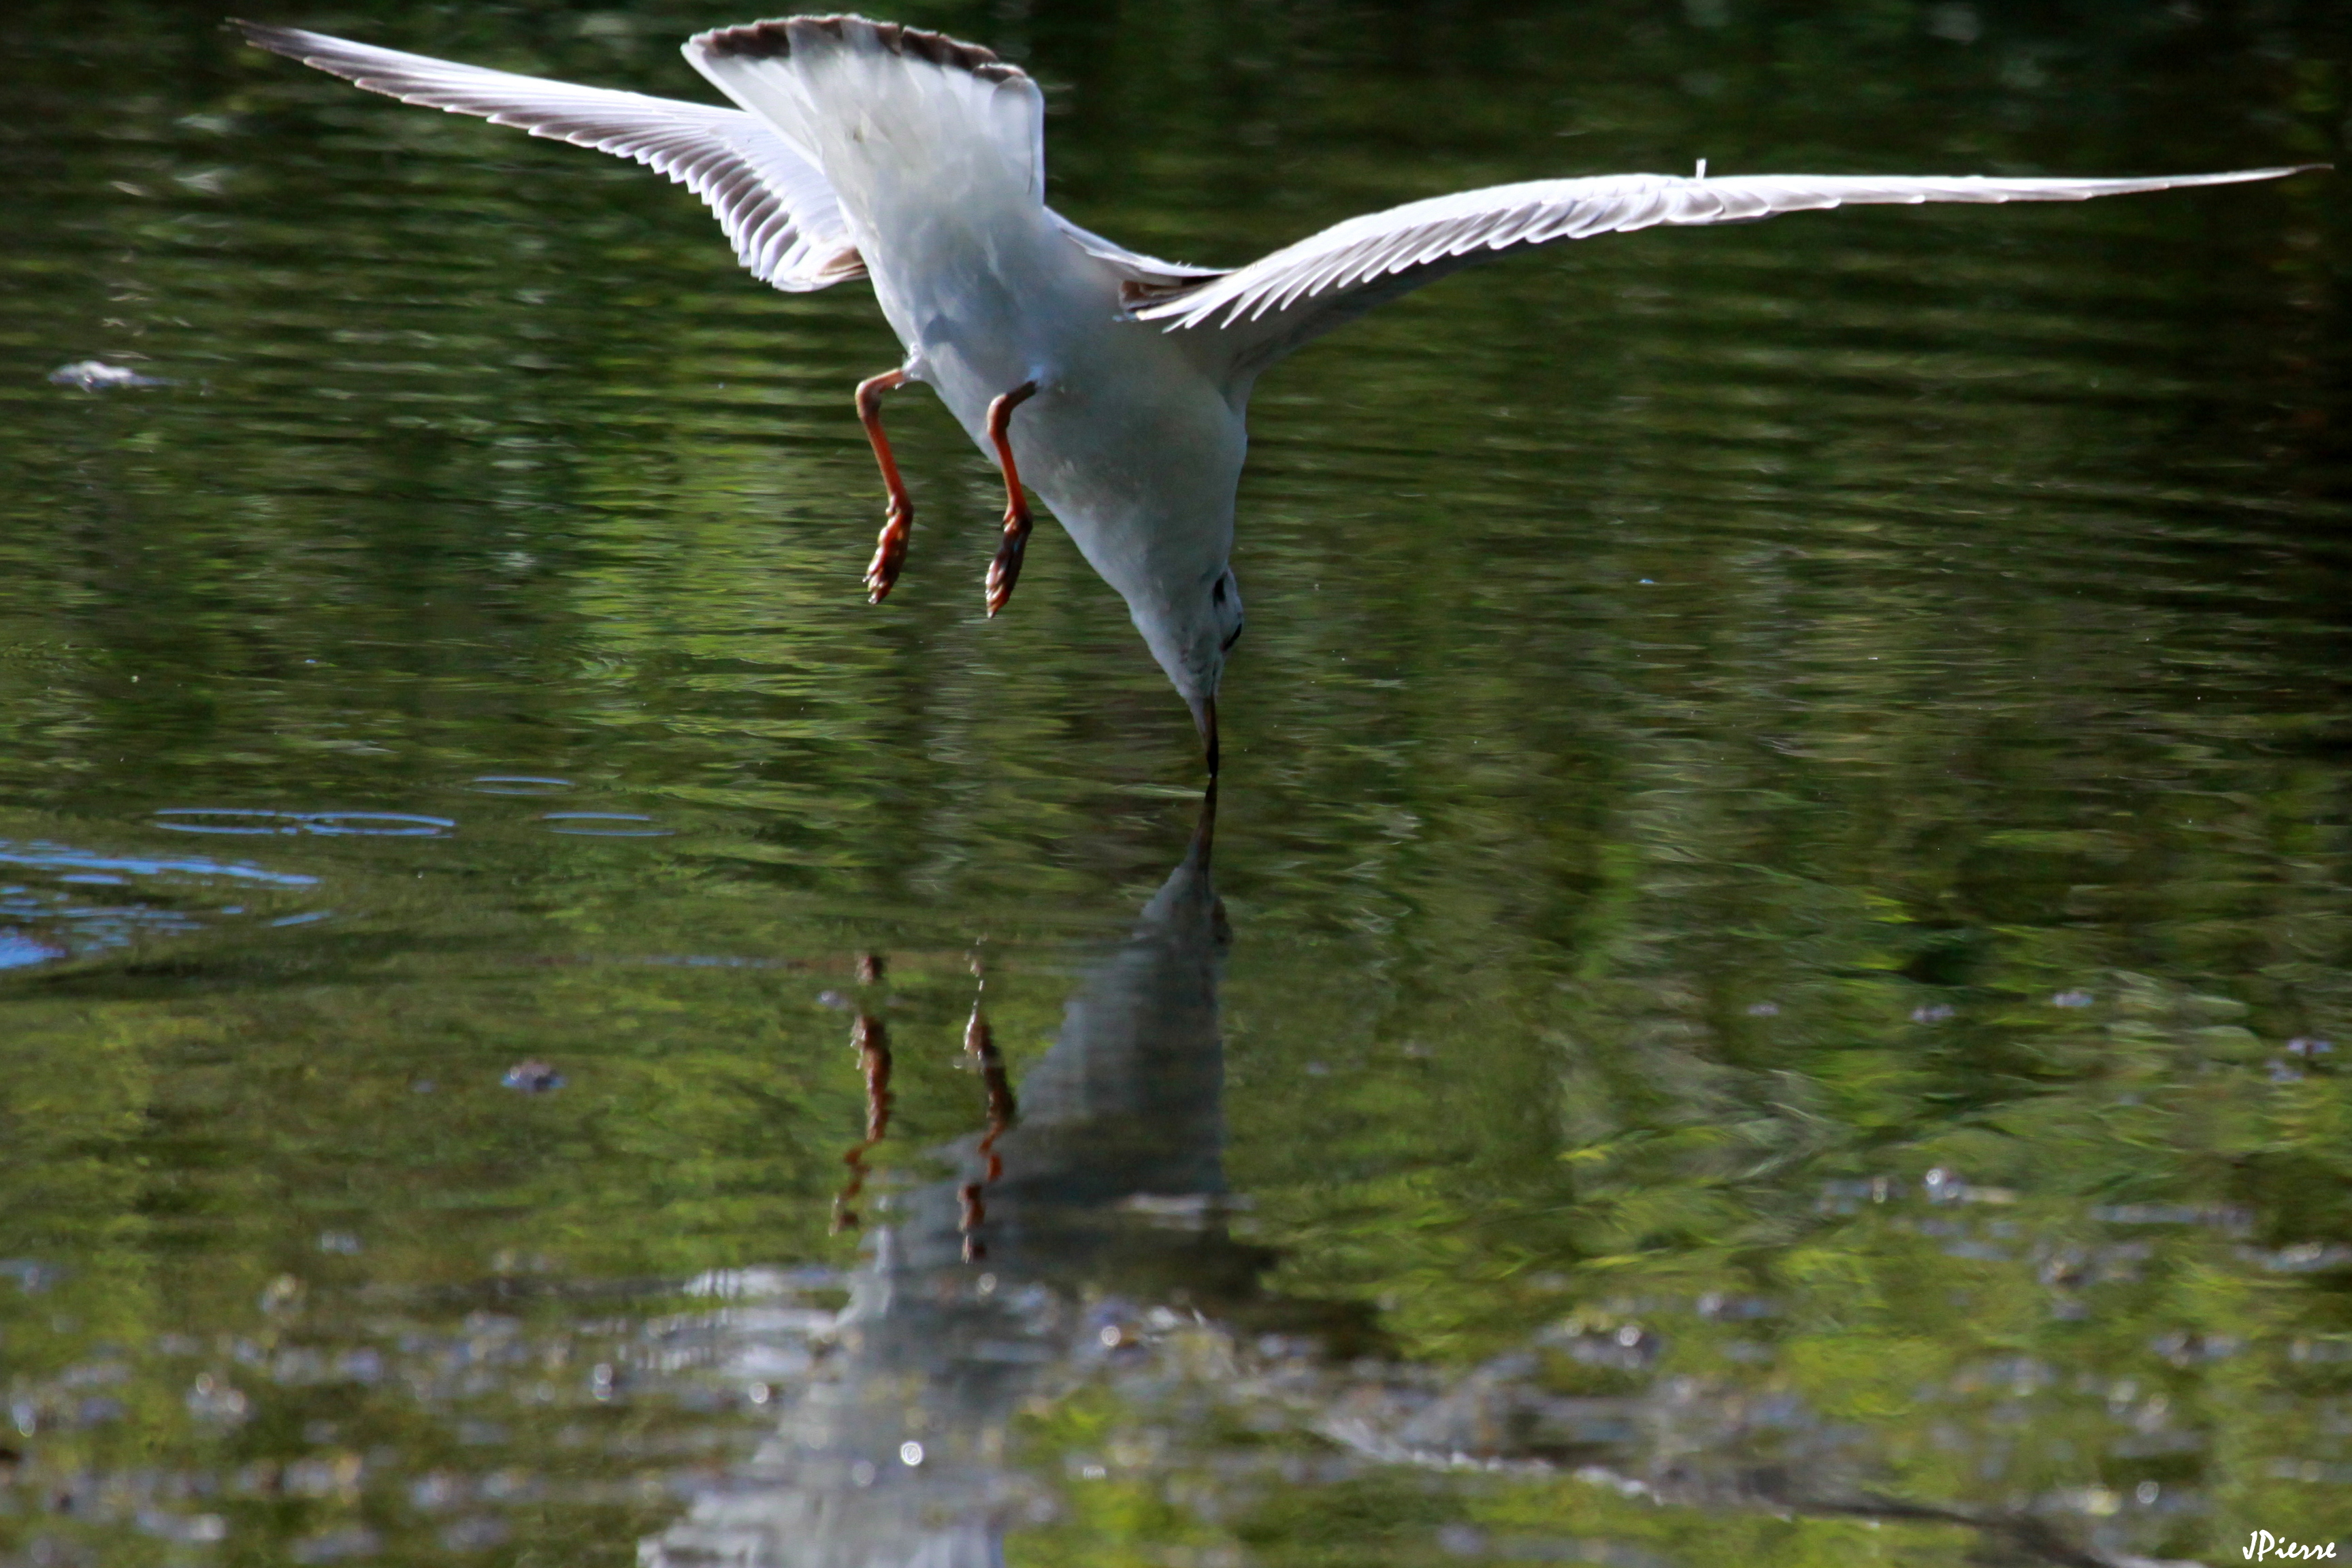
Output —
(872, 1043)
(1005, 570)
(979, 1045)
(898, 520)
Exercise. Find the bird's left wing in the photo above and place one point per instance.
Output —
(1300, 292)
(775, 202)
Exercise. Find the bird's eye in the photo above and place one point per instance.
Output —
(1217, 593)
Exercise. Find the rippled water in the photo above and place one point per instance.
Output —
(1772, 983)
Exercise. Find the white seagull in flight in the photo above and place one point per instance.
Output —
(1114, 385)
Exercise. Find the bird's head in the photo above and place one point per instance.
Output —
(1190, 632)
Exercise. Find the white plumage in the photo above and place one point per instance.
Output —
(1113, 382)
(777, 207)
(1469, 225)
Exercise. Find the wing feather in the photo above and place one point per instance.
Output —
(775, 202)
(1146, 274)
(1302, 288)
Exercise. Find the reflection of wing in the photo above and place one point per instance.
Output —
(1304, 289)
(773, 201)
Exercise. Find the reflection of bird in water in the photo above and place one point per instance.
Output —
(896, 1452)
(898, 1458)
(1113, 382)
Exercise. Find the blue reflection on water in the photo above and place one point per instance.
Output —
(250, 820)
(48, 919)
(41, 856)
(17, 950)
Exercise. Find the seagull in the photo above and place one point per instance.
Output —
(1112, 383)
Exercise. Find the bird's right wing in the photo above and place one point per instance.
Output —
(770, 197)
(1298, 293)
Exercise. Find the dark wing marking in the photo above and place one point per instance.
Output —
(777, 40)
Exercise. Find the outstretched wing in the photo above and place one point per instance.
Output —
(770, 197)
(1302, 290)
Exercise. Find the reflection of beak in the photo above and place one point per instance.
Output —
(1204, 719)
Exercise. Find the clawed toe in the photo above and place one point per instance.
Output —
(890, 550)
(1005, 570)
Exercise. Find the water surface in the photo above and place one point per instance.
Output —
(1771, 985)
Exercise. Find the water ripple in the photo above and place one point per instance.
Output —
(517, 783)
(592, 825)
(37, 855)
(254, 821)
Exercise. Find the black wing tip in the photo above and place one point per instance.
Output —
(784, 37)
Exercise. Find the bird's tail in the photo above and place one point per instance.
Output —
(906, 124)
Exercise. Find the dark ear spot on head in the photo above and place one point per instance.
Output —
(1231, 637)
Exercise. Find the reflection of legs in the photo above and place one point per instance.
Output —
(1005, 570)
(890, 550)
(872, 1044)
(980, 1046)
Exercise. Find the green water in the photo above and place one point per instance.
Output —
(1783, 854)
